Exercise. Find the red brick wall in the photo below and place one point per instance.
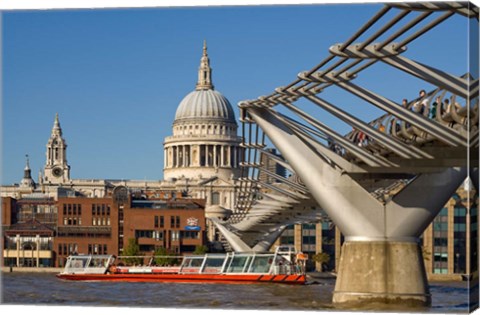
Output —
(86, 225)
(174, 236)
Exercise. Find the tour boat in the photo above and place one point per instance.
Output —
(283, 266)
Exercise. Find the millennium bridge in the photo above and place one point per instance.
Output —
(383, 182)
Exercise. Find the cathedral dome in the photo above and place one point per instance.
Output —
(204, 143)
(205, 104)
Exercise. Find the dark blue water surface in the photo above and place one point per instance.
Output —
(46, 289)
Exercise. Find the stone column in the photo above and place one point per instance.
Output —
(174, 156)
(207, 151)
(235, 156)
(229, 156)
(37, 239)
(178, 156)
(165, 158)
(195, 157)
(214, 157)
(222, 155)
(17, 240)
(183, 156)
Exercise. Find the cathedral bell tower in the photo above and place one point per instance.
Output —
(56, 168)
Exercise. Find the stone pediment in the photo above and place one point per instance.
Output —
(216, 181)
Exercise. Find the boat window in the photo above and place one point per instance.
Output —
(247, 264)
(98, 262)
(261, 264)
(215, 261)
(238, 262)
(77, 262)
(194, 262)
(229, 260)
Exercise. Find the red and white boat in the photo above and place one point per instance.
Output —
(283, 266)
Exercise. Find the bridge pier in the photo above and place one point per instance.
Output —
(390, 272)
(381, 260)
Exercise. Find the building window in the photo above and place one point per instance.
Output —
(440, 241)
(158, 235)
(287, 240)
(189, 234)
(215, 198)
(174, 235)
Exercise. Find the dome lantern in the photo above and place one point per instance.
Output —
(204, 72)
(204, 102)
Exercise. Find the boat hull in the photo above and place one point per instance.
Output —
(188, 278)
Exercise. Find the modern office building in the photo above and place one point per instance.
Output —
(450, 242)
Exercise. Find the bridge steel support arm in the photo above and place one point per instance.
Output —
(381, 259)
(329, 187)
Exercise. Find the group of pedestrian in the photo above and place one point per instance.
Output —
(421, 106)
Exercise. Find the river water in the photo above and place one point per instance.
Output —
(46, 289)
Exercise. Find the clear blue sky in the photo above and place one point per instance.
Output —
(116, 76)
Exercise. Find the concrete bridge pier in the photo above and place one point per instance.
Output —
(391, 272)
(381, 260)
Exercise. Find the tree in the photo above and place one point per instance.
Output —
(200, 250)
(322, 259)
(132, 249)
(162, 257)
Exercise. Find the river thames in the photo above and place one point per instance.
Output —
(46, 289)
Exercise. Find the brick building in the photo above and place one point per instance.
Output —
(176, 225)
(41, 231)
